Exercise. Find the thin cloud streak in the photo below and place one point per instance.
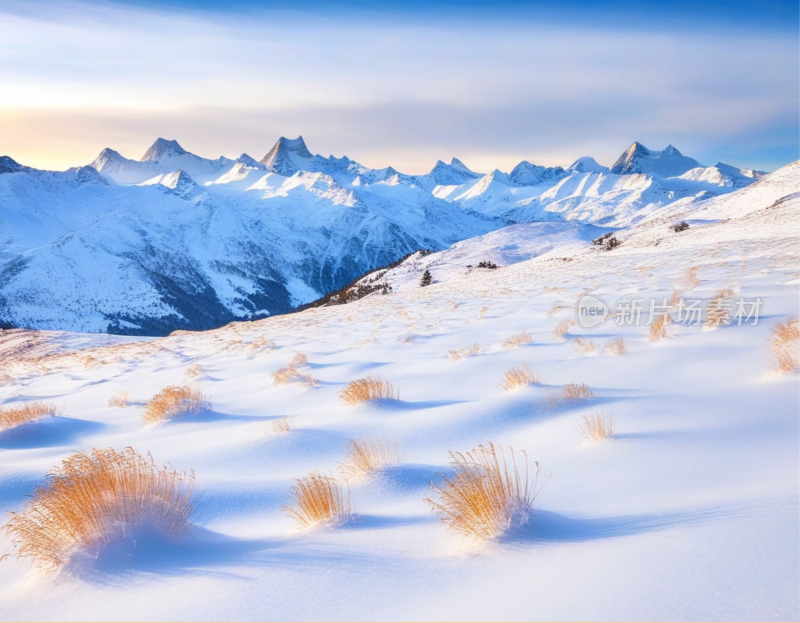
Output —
(387, 93)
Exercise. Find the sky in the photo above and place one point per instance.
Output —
(491, 83)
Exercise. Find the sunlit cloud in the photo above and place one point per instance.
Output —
(77, 78)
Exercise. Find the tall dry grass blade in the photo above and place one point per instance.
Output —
(318, 499)
(172, 401)
(368, 389)
(519, 376)
(515, 341)
(97, 498)
(487, 494)
(11, 417)
(562, 330)
(616, 347)
(784, 345)
(364, 456)
(597, 427)
(121, 399)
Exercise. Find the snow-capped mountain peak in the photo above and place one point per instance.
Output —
(455, 173)
(528, 174)
(287, 155)
(587, 164)
(666, 163)
(9, 165)
(161, 148)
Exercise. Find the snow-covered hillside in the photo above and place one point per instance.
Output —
(688, 511)
(177, 241)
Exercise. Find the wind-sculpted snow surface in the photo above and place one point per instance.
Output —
(177, 241)
(674, 464)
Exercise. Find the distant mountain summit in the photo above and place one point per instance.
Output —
(287, 155)
(161, 148)
(667, 163)
(179, 241)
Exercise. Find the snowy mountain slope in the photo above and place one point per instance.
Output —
(174, 240)
(688, 512)
(667, 163)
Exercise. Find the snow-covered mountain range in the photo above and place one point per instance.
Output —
(177, 241)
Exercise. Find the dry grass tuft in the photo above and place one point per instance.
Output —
(282, 425)
(487, 493)
(368, 389)
(364, 456)
(290, 373)
(519, 376)
(261, 343)
(299, 359)
(10, 417)
(784, 345)
(318, 499)
(194, 371)
(562, 329)
(597, 427)
(616, 347)
(571, 392)
(98, 498)
(172, 401)
(658, 328)
(516, 340)
(463, 353)
(482, 312)
(577, 391)
(584, 345)
(718, 310)
(121, 399)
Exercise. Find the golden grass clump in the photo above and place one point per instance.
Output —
(658, 328)
(562, 329)
(784, 345)
(482, 312)
(516, 340)
(11, 417)
(519, 376)
(487, 494)
(616, 347)
(172, 401)
(97, 498)
(282, 425)
(571, 392)
(121, 399)
(584, 345)
(718, 310)
(261, 343)
(577, 391)
(367, 389)
(463, 353)
(318, 499)
(597, 427)
(299, 359)
(194, 370)
(364, 456)
(290, 373)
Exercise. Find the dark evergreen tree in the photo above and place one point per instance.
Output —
(426, 279)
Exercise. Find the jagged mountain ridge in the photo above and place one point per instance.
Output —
(177, 241)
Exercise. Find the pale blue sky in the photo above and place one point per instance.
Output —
(489, 83)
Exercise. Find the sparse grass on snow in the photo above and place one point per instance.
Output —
(487, 494)
(96, 498)
(172, 401)
(597, 427)
(517, 340)
(368, 389)
(11, 417)
(318, 499)
(519, 376)
(364, 456)
(784, 345)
